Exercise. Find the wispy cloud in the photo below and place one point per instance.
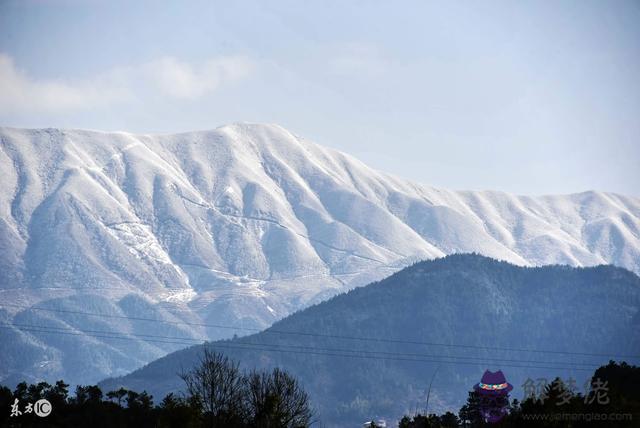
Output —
(182, 80)
(166, 77)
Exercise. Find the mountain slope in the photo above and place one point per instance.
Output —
(237, 226)
(377, 347)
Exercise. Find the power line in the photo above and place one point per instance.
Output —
(72, 333)
(132, 290)
(127, 317)
(270, 349)
(141, 335)
(439, 361)
(333, 336)
(192, 341)
(304, 350)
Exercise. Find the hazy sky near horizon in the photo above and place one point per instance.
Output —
(526, 97)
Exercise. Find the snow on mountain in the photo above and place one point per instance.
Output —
(237, 226)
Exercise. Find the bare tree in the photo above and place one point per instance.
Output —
(227, 397)
(276, 400)
(218, 385)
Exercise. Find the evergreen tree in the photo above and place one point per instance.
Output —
(469, 414)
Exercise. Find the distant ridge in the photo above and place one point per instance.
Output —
(378, 346)
(242, 226)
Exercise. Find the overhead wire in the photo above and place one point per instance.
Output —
(314, 350)
(272, 330)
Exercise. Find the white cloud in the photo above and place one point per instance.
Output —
(181, 80)
(20, 93)
(165, 77)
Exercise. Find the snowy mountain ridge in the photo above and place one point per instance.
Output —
(237, 226)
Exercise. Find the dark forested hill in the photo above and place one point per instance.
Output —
(372, 352)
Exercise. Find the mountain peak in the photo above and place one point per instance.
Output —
(246, 223)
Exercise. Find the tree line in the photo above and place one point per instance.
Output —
(613, 401)
(218, 394)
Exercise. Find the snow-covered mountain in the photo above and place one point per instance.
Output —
(238, 226)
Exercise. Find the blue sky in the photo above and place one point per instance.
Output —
(526, 97)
